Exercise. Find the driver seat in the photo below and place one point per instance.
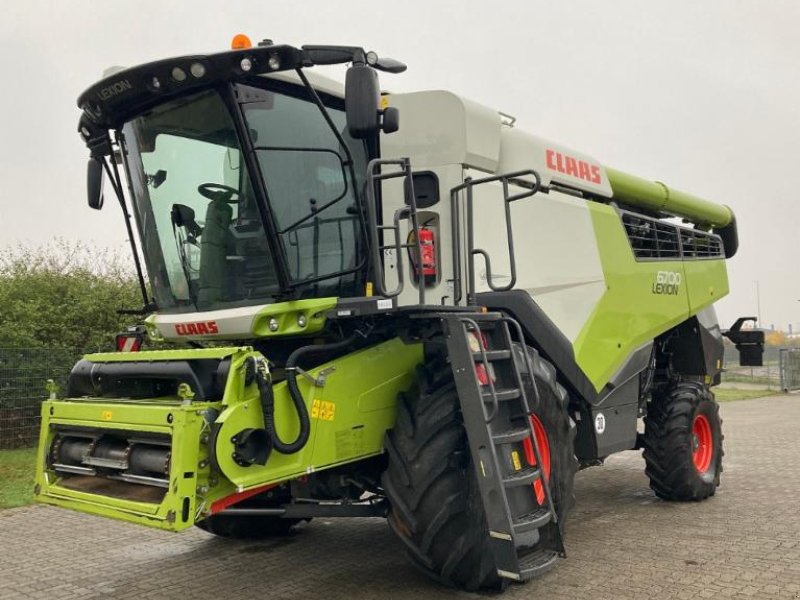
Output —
(213, 251)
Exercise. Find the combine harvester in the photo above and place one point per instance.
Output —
(438, 321)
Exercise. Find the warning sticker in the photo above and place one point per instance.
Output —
(323, 410)
(515, 460)
(349, 442)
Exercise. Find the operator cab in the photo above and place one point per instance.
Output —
(245, 186)
(202, 226)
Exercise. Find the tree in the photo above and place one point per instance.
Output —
(775, 338)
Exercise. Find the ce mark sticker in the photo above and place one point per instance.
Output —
(600, 423)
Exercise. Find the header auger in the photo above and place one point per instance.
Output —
(408, 318)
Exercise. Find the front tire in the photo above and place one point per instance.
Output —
(683, 443)
(436, 507)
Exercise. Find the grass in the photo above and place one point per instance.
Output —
(727, 394)
(743, 378)
(16, 477)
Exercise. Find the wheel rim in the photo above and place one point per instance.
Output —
(544, 451)
(702, 444)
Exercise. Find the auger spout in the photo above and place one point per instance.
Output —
(654, 195)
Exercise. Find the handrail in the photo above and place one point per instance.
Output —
(407, 212)
(514, 178)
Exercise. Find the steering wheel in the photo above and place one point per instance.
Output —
(217, 191)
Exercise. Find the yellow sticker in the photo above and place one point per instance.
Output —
(384, 102)
(322, 410)
(368, 291)
(106, 415)
(515, 460)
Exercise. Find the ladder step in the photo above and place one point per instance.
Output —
(502, 394)
(525, 476)
(492, 355)
(511, 436)
(532, 520)
(536, 563)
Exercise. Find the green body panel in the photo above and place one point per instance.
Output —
(239, 355)
(349, 415)
(630, 314)
(349, 418)
(706, 282)
(654, 195)
(287, 314)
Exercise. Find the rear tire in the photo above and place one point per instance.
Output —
(436, 507)
(683, 443)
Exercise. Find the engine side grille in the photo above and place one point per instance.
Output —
(652, 239)
(698, 244)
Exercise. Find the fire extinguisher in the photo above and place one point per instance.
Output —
(427, 245)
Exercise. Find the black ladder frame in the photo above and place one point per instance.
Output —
(480, 406)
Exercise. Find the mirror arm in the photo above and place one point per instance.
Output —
(116, 184)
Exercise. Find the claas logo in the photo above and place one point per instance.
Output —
(199, 328)
(556, 161)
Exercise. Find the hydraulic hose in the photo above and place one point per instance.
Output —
(268, 399)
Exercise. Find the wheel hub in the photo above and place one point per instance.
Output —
(702, 444)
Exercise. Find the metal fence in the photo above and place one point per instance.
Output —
(767, 376)
(23, 376)
(789, 366)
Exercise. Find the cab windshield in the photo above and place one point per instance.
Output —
(202, 220)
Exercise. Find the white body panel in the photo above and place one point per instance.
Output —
(229, 323)
(559, 266)
(455, 138)
(440, 128)
(553, 162)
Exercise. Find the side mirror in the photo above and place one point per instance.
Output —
(391, 120)
(94, 183)
(361, 101)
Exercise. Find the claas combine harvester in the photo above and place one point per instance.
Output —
(386, 305)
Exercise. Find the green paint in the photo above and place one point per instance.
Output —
(184, 424)
(349, 418)
(629, 314)
(362, 388)
(153, 355)
(654, 195)
(288, 314)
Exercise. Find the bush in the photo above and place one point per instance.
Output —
(57, 301)
(64, 294)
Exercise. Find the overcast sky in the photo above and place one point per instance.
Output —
(702, 95)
